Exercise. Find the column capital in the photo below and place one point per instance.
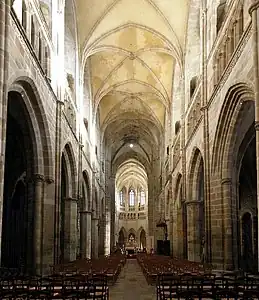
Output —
(253, 7)
(71, 199)
(85, 212)
(38, 178)
(59, 102)
(226, 181)
(193, 202)
(49, 179)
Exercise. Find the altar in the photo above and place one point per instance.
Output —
(131, 246)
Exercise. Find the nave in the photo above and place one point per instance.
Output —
(132, 284)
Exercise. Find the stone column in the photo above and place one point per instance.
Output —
(86, 236)
(193, 240)
(58, 151)
(229, 239)
(95, 242)
(254, 12)
(4, 61)
(206, 138)
(178, 231)
(38, 221)
(101, 235)
(107, 245)
(70, 229)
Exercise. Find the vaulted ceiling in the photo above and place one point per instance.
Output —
(131, 173)
(130, 48)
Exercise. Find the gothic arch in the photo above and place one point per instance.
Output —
(124, 231)
(139, 231)
(38, 123)
(132, 231)
(238, 100)
(234, 134)
(24, 168)
(176, 189)
(196, 166)
(195, 208)
(142, 237)
(70, 170)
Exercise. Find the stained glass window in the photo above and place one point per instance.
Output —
(131, 198)
(121, 198)
(142, 197)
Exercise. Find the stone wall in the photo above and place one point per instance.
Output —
(56, 129)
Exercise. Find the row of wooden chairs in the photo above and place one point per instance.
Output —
(72, 287)
(110, 265)
(152, 265)
(170, 286)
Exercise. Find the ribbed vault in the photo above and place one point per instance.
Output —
(131, 173)
(129, 48)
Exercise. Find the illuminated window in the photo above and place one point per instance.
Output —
(131, 198)
(121, 198)
(142, 198)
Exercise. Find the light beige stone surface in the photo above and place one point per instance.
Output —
(132, 284)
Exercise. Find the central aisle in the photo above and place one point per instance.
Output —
(132, 285)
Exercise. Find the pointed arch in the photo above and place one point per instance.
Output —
(177, 189)
(195, 168)
(70, 170)
(124, 231)
(238, 100)
(133, 232)
(34, 107)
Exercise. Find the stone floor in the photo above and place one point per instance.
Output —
(132, 285)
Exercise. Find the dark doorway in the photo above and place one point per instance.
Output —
(201, 220)
(62, 208)
(184, 230)
(248, 248)
(247, 243)
(18, 207)
(121, 239)
(143, 240)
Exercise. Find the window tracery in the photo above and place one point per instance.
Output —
(131, 198)
(142, 198)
